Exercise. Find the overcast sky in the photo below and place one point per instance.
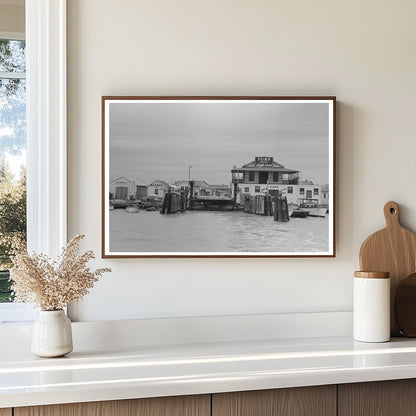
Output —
(159, 140)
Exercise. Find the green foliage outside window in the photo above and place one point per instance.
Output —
(12, 146)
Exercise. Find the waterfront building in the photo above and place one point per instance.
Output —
(141, 189)
(308, 191)
(158, 188)
(223, 191)
(201, 188)
(122, 188)
(325, 194)
(265, 176)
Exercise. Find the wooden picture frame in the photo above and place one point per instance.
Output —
(234, 176)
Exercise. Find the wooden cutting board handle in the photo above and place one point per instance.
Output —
(393, 250)
(391, 214)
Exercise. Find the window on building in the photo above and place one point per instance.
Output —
(13, 156)
(156, 191)
(251, 176)
(301, 191)
(275, 176)
(316, 191)
(290, 189)
(257, 189)
(247, 189)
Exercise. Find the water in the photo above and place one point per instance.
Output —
(211, 231)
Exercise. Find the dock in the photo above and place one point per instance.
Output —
(266, 205)
(206, 203)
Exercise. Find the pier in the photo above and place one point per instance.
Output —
(213, 204)
(265, 205)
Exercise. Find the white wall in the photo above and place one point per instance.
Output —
(361, 51)
(12, 16)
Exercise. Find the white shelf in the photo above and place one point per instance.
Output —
(168, 370)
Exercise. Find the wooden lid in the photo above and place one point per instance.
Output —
(372, 275)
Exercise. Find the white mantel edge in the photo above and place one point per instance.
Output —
(122, 334)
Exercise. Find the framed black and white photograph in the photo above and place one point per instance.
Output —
(218, 176)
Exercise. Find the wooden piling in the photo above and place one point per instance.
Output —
(268, 206)
(248, 204)
(191, 198)
(281, 211)
(163, 208)
(168, 202)
(182, 201)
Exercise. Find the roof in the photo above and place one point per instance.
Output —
(179, 183)
(196, 183)
(261, 169)
(253, 165)
(159, 181)
(201, 183)
(122, 178)
(306, 182)
(275, 167)
(221, 186)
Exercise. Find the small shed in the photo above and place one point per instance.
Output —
(122, 188)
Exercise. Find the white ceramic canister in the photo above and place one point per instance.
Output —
(371, 309)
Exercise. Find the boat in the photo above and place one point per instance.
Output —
(299, 213)
(119, 203)
(296, 212)
(132, 208)
(151, 202)
(314, 209)
(318, 212)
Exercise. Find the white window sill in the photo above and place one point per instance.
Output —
(16, 313)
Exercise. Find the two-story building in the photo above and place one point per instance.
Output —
(266, 176)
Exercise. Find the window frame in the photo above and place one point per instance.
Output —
(46, 121)
(17, 312)
(46, 125)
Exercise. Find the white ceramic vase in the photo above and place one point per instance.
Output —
(52, 334)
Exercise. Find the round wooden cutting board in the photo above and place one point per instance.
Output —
(393, 250)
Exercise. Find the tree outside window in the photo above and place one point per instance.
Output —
(12, 156)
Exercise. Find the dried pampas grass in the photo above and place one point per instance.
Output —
(52, 285)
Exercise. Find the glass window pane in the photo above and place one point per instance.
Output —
(12, 55)
(12, 159)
